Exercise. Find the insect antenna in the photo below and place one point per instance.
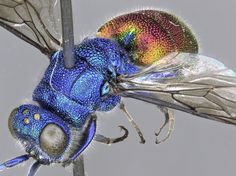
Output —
(14, 162)
(34, 168)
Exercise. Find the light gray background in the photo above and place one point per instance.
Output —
(197, 146)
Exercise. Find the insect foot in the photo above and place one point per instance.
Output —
(105, 140)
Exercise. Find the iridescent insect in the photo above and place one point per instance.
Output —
(148, 55)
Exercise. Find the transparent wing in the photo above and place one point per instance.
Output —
(35, 21)
(192, 83)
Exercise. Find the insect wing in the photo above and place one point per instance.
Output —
(35, 21)
(188, 82)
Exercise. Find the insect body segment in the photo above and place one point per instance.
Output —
(81, 89)
(65, 124)
(49, 139)
(145, 55)
(50, 133)
(149, 35)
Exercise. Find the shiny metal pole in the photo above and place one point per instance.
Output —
(69, 60)
(67, 33)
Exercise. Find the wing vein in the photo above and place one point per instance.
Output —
(44, 27)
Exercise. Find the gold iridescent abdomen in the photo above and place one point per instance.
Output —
(149, 35)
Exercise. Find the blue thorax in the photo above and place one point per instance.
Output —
(75, 93)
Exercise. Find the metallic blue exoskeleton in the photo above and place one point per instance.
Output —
(144, 59)
(64, 124)
(78, 92)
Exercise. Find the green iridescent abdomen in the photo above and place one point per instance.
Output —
(149, 35)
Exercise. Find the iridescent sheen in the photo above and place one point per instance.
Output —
(149, 35)
(68, 98)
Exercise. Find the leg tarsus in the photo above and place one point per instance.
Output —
(105, 140)
(131, 120)
(169, 120)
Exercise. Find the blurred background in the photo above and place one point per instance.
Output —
(197, 146)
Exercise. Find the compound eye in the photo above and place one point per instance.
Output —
(10, 121)
(53, 140)
(105, 89)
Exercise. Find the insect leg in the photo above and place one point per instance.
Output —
(78, 166)
(34, 168)
(106, 140)
(169, 120)
(131, 120)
